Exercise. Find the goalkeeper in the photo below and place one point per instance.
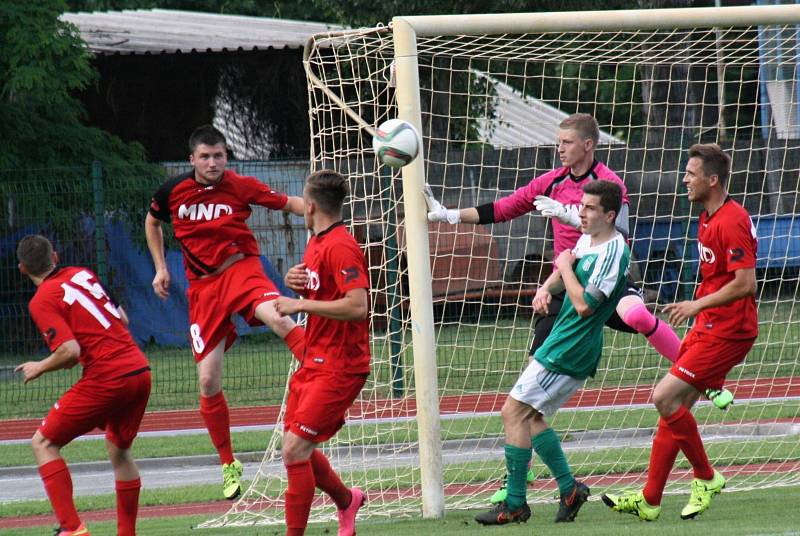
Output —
(557, 194)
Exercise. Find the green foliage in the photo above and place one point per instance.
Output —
(43, 63)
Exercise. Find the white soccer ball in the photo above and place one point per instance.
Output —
(396, 143)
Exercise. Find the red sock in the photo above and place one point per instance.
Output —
(58, 484)
(296, 341)
(328, 481)
(662, 458)
(299, 495)
(214, 410)
(127, 506)
(684, 431)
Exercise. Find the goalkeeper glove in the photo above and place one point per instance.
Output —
(554, 209)
(437, 211)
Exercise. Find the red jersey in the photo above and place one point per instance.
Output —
(71, 304)
(209, 220)
(335, 265)
(727, 242)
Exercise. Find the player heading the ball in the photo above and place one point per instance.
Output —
(208, 208)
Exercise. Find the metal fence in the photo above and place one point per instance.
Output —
(94, 216)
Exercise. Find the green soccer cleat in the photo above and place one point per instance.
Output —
(501, 494)
(231, 479)
(722, 398)
(702, 491)
(632, 503)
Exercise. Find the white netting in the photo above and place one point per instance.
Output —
(490, 110)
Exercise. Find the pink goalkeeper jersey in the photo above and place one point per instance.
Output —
(561, 186)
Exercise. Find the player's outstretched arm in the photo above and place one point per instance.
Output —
(65, 356)
(438, 213)
(155, 243)
(555, 209)
(295, 205)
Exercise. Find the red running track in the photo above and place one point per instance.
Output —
(220, 507)
(160, 421)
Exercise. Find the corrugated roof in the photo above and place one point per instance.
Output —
(523, 121)
(164, 31)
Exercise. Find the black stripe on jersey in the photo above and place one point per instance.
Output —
(195, 265)
(161, 197)
(569, 175)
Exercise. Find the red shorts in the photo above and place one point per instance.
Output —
(705, 360)
(318, 401)
(114, 405)
(213, 300)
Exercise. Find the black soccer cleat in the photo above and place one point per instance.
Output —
(501, 515)
(571, 502)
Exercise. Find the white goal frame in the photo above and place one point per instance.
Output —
(405, 31)
(386, 60)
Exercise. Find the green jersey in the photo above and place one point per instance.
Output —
(575, 344)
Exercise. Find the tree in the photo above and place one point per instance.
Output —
(43, 63)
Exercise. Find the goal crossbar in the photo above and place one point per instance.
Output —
(586, 21)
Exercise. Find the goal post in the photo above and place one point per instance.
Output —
(419, 277)
(452, 319)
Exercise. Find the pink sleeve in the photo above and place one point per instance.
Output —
(521, 201)
(606, 174)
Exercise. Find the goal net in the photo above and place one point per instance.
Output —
(491, 93)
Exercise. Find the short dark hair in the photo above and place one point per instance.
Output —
(715, 160)
(35, 253)
(328, 189)
(206, 135)
(610, 194)
(585, 124)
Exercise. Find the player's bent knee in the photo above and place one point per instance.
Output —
(665, 402)
(40, 444)
(512, 412)
(209, 385)
(268, 315)
(296, 449)
(639, 318)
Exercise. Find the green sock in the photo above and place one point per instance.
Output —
(548, 448)
(517, 460)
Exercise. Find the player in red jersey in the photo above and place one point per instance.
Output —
(81, 323)
(725, 328)
(334, 281)
(208, 209)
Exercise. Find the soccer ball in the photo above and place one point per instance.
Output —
(396, 143)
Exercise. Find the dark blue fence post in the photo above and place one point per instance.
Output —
(99, 221)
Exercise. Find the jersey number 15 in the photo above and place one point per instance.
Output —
(72, 295)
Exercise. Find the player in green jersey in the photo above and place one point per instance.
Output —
(593, 275)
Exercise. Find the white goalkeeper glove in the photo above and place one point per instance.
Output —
(437, 211)
(553, 209)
